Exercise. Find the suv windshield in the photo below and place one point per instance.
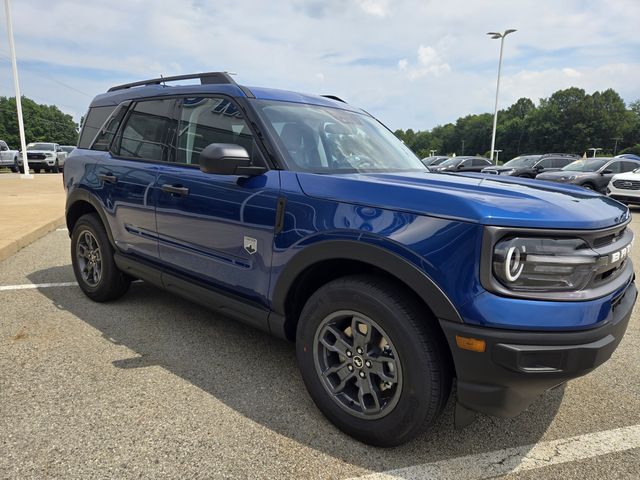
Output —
(588, 165)
(452, 162)
(331, 140)
(40, 146)
(526, 161)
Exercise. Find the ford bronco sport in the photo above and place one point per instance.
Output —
(305, 217)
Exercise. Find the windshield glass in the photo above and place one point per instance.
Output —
(452, 162)
(527, 161)
(586, 165)
(40, 146)
(330, 140)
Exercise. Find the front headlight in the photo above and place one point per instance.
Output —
(507, 172)
(48, 154)
(545, 264)
(572, 178)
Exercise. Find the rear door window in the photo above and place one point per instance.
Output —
(149, 131)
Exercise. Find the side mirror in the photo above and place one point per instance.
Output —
(228, 159)
(606, 172)
(460, 165)
(538, 167)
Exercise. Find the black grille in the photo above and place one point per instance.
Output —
(608, 239)
(627, 184)
(36, 156)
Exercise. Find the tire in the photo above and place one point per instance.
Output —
(56, 168)
(589, 186)
(36, 170)
(95, 270)
(16, 166)
(417, 374)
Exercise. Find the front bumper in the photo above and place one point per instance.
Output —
(629, 196)
(517, 366)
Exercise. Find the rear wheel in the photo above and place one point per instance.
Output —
(372, 361)
(93, 263)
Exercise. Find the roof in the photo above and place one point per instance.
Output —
(212, 83)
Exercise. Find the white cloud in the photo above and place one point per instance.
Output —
(429, 62)
(378, 8)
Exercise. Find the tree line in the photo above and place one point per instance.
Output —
(569, 121)
(42, 123)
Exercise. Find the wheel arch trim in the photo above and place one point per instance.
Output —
(82, 195)
(363, 252)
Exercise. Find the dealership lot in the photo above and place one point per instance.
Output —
(153, 386)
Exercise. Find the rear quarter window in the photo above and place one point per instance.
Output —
(96, 117)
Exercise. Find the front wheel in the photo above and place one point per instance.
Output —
(56, 168)
(93, 263)
(372, 360)
(16, 166)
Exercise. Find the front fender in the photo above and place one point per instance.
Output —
(364, 249)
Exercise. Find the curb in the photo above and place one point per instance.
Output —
(32, 236)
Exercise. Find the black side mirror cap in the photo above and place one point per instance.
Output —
(228, 159)
(606, 172)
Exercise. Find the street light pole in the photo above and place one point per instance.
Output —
(16, 85)
(615, 148)
(495, 36)
(594, 150)
(497, 155)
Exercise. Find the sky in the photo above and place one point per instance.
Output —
(411, 63)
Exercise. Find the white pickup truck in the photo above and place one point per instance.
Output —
(8, 157)
(46, 156)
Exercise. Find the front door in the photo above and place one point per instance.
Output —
(216, 229)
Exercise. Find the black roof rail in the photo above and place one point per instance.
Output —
(561, 155)
(206, 78)
(334, 97)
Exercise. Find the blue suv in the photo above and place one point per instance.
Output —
(307, 218)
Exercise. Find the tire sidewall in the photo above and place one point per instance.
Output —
(412, 409)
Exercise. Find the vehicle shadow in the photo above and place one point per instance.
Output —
(257, 376)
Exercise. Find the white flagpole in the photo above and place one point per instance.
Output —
(16, 84)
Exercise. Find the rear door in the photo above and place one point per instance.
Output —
(477, 164)
(216, 229)
(129, 171)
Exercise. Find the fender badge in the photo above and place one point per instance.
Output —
(250, 245)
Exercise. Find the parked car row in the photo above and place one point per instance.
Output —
(615, 176)
(46, 156)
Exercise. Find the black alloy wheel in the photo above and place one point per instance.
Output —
(93, 263)
(373, 359)
(358, 364)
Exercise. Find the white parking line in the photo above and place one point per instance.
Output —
(64, 229)
(518, 459)
(28, 286)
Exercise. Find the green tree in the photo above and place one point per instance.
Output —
(42, 123)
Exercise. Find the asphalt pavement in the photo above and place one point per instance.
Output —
(152, 386)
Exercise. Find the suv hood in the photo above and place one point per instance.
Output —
(478, 198)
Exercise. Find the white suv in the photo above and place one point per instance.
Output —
(625, 187)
